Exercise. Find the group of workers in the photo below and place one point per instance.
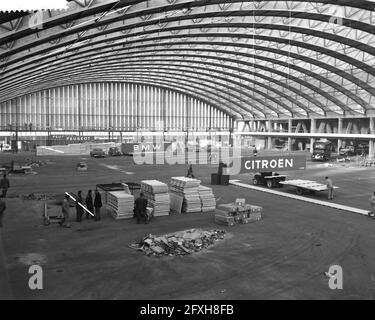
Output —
(92, 207)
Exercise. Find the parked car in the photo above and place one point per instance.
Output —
(4, 171)
(97, 153)
(114, 151)
(6, 148)
(81, 166)
(347, 151)
(362, 149)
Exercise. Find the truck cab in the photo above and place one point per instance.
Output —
(322, 151)
(268, 179)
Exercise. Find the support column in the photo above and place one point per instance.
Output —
(252, 125)
(290, 123)
(371, 149)
(269, 126)
(312, 130)
(372, 142)
(269, 129)
(372, 125)
(247, 125)
(339, 141)
(231, 129)
(187, 124)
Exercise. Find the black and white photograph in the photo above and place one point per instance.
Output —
(187, 156)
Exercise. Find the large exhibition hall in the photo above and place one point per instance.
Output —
(188, 150)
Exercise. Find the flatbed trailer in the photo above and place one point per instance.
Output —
(303, 186)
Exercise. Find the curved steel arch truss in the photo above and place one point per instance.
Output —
(253, 59)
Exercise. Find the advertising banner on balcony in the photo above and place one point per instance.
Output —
(273, 163)
(70, 139)
(131, 148)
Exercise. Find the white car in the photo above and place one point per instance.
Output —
(6, 147)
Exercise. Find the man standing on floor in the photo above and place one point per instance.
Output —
(140, 208)
(329, 184)
(97, 204)
(65, 212)
(2, 209)
(372, 202)
(79, 209)
(4, 184)
(89, 204)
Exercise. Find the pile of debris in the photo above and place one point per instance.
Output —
(35, 163)
(179, 243)
(38, 196)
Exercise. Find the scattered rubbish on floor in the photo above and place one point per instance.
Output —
(37, 196)
(179, 243)
(223, 291)
(317, 244)
(19, 169)
(30, 259)
(35, 163)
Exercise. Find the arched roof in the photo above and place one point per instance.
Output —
(257, 59)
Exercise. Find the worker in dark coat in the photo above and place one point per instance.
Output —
(89, 204)
(4, 185)
(140, 208)
(221, 170)
(330, 188)
(97, 204)
(79, 209)
(2, 209)
(190, 173)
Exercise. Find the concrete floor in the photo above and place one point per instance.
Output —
(284, 256)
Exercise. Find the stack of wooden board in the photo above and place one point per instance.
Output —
(156, 192)
(222, 217)
(255, 214)
(120, 204)
(189, 189)
(231, 214)
(207, 197)
(104, 189)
